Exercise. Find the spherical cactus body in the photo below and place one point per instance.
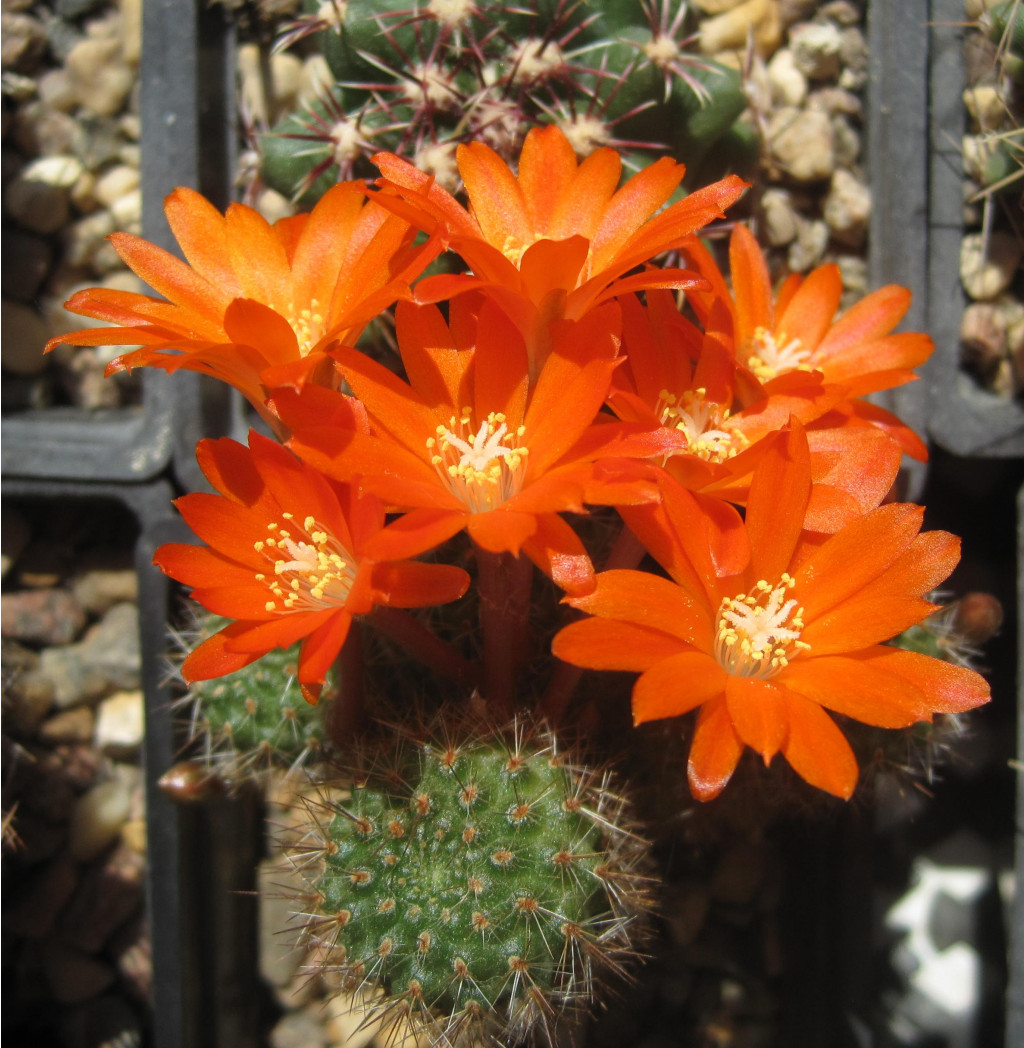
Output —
(256, 718)
(483, 886)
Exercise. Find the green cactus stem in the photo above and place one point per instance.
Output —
(484, 883)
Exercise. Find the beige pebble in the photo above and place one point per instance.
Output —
(847, 208)
(987, 268)
(96, 819)
(120, 723)
(729, 31)
(986, 105)
(801, 143)
(116, 183)
(788, 83)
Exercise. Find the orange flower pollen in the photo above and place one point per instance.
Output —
(759, 632)
(482, 468)
(704, 423)
(311, 569)
(514, 249)
(308, 325)
(769, 356)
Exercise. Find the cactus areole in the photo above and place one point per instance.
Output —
(483, 893)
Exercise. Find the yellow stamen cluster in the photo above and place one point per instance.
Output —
(308, 325)
(769, 356)
(483, 468)
(705, 424)
(311, 570)
(759, 632)
(513, 248)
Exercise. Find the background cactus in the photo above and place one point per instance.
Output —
(483, 879)
(420, 81)
(256, 718)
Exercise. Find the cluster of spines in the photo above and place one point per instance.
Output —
(420, 78)
(482, 883)
(256, 718)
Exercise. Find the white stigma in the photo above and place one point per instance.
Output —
(772, 355)
(758, 633)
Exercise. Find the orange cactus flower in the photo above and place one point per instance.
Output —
(285, 558)
(764, 631)
(558, 239)
(798, 330)
(472, 444)
(255, 304)
(716, 414)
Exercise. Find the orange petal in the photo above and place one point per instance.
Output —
(282, 631)
(631, 207)
(547, 165)
(872, 317)
(200, 231)
(557, 550)
(200, 566)
(227, 465)
(677, 685)
(809, 313)
(856, 686)
(496, 200)
(758, 713)
(318, 652)
(850, 559)
(607, 644)
(410, 584)
(650, 601)
(212, 659)
(258, 257)
(581, 205)
(817, 750)
(777, 504)
(714, 752)
(414, 533)
(435, 367)
(947, 688)
(171, 277)
(752, 285)
(501, 530)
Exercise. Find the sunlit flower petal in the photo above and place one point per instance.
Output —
(778, 635)
(286, 559)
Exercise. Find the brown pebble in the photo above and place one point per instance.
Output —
(41, 616)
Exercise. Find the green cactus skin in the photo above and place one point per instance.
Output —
(418, 80)
(256, 719)
(482, 884)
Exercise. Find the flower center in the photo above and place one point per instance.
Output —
(483, 468)
(514, 249)
(308, 325)
(703, 423)
(759, 632)
(311, 569)
(771, 355)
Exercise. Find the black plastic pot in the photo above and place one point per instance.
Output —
(915, 128)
